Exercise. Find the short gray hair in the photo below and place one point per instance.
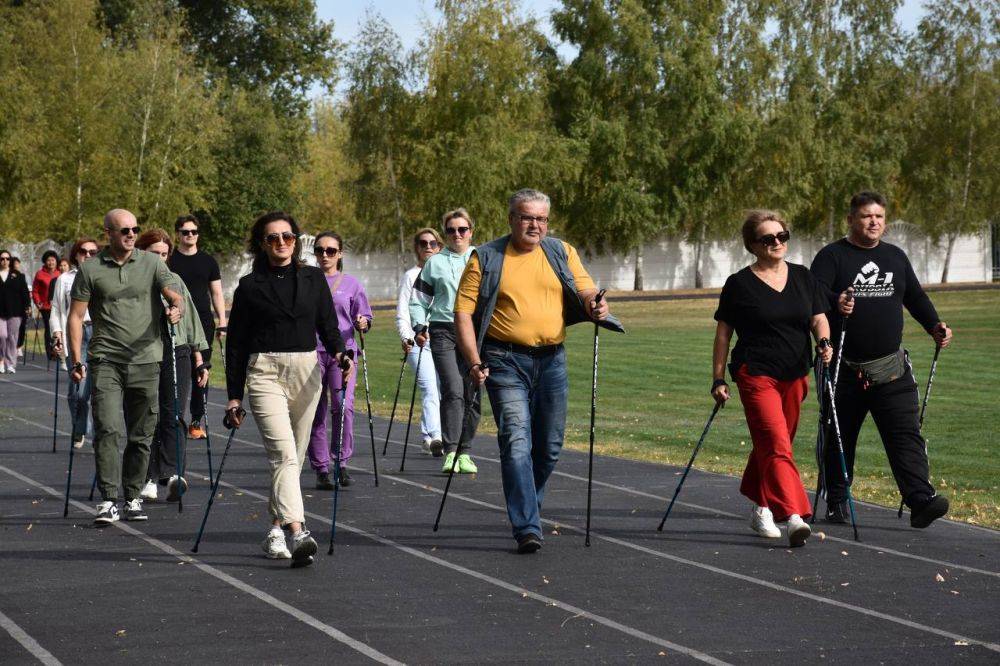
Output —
(524, 196)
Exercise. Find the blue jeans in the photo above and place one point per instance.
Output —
(78, 395)
(528, 396)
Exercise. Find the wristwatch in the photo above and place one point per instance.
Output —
(717, 383)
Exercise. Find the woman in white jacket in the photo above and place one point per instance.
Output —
(426, 242)
(78, 394)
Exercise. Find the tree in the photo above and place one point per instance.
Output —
(322, 190)
(951, 167)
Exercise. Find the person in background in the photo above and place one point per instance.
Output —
(15, 307)
(15, 264)
(40, 291)
(426, 243)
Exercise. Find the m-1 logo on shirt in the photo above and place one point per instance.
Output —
(870, 283)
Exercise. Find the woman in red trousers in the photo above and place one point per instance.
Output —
(772, 305)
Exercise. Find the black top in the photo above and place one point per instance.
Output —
(14, 298)
(883, 282)
(197, 271)
(278, 312)
(772, 326)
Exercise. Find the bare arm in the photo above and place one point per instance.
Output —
(720, 351)
(74, 335)
(465, 334)
(218, 302)
(821, 331)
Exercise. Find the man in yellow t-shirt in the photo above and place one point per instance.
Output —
(515, 299)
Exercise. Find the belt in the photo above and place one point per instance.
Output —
(540, 350)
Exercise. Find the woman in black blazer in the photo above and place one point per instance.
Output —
(15, 307)
(278, 310)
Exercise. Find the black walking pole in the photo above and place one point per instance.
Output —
(93, 484)
(177, 424)
(593, 414)
(923, 407)
(336, 453)
(204, 419)
(840, 450)
(399, 384)
(55, 408)
(69, 472)
(368, 403)
(34, 340)
(409, 420)
(454, 464)
(218, 476)
(677, 491)
(821, 467)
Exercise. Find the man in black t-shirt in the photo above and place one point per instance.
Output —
(868, 283)
(200, 273)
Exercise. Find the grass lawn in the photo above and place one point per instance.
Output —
(653, 398)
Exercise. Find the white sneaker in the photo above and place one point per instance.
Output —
(78, 442)
(12, 370)
(175, 489)
(3, 368)
(303, 548)
(274, 545)
(427, 444)
(107, 513)
(762, 522)
(148, 493)
(798, 531)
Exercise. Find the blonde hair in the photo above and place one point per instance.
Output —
(754, 219)
(452, 214)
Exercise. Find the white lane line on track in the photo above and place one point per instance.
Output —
(524, 592)
(27, 642)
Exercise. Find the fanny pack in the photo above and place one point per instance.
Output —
(880, 371)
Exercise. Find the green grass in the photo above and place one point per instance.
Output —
(653, 398)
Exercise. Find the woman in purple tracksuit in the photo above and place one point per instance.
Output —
(353, 312)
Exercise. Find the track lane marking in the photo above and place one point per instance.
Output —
(27, 642)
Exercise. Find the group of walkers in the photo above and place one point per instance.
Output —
(135, 323)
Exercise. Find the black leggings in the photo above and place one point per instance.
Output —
(163, 451)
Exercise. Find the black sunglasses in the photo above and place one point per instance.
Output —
(427, 244)
(286, 237)
(457, 231)
(128, 231)
(328, 251)
(773, 240)
(4, 258)
(89, 253)
(189, 232)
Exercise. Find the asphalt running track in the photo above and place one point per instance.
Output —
(706, 589)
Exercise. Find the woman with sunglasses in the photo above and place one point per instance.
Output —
(189, 343)
(78, 395)
(426, 243)
(353, 312)
(15, 307)
(772, 305)
(278, 311)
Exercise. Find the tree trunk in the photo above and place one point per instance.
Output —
(699, 282)
(401, 250)
(637, 282)
(952, 237)
(830, 223)
(145, 127)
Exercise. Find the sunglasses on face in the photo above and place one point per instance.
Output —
(528, 219)
(189, 232)
(457, 231)
(328, 251)
(129, 231)
(428, 244)
(284, 238)
(89, 253)
(4, 258)
(774, 240)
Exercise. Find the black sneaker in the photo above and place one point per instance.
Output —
(437, 448)
(174, 489)
(107, 513)
(529, 543)
(323, 481)
(838, 513)
(927, 513)
(345, 478)
(133, 510)
(303, 549)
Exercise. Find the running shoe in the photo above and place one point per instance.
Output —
(195, 431)
(133, 510)
(528, 544)
(107, 513)
(3, 369)
(274, 545)
(303, 548)
(437, 448)
(466, 466)
(78, 442)
(12, 370)
(427, 444)
(838, 513)
(762, 522)
(929, 512)
(798, 531)
(345, 478)
(323, 481)
(175, 489)
(448, 461)
(148, 492)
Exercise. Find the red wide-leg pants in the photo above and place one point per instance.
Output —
(771, 478)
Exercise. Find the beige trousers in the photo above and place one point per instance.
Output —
(283, 390)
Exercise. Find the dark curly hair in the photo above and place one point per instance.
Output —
(255, 243)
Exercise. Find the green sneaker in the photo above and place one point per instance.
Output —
(466, 466)
(449, 459)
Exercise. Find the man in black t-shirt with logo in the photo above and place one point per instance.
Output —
(200, 273)
(869, 282)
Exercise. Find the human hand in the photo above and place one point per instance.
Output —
(407, 345)
(478, 373)
(845, 302)
(174, 314)
(421, 338)
(234, 415)
(941, 334)
(362, 323)
(79, 373)
(599, 306)
(721, 393)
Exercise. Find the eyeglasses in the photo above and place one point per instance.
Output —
(328, 251)
(4, 258)
(284, 238)
(189, 232)
(128, 231)
(774, 240)
(89, 253)
(457, 231)
(428, 244)
(527, 219)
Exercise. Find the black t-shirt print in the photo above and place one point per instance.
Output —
(772, 327)
(198, 271)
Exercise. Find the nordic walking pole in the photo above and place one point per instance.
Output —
(55, 408)
(593, 413)
(93, 486)
(923, 407)
(454, 464)
(701, 440)
(399, 384)
(336, 453)
(840, 451)
(208, 435)
(820, 472)
(368, 403)
(820, 438)
(177, 422)
(413, 396)
(69, 472)
(227, 421)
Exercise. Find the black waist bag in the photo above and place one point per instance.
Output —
(881, 370)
